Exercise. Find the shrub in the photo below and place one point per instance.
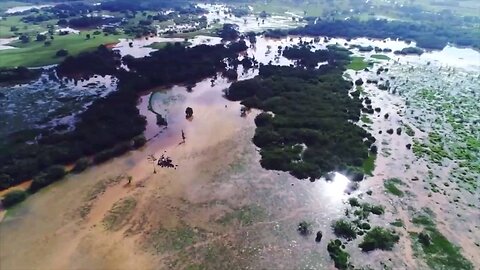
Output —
(116, 151)
(61, 53)
(304, 228)
(379, 238)
(353, 202)
(344, 228)
(14, 197)
(81, 165)
(139, 141)
(52, 174)
(338, 255)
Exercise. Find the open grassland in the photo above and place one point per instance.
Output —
(7, 23)
(40, 55)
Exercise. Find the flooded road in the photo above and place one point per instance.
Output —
(218, 209)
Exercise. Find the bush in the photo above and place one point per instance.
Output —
(304, 228)
(61, 53)
(52, 174)
(379, 238)
(116, 151)
(353, 202)
(263, 119)
(14, 197)
(6, 181)
(344, 228)
(338, 255)
(41, 37)
(81, 165)
(139, 141)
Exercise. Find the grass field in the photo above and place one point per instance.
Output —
(34, 54)
(24, 28)
(358, 63)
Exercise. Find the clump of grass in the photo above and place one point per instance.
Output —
(353, 202)
(304, 228)
(397, 223)
(116, 216)
(379, 238)
(438, 252)
(408, 130)
(366, 209)
(357, 63)
(344, 228)
(178, 239)
(391, 186)
(424, 220)
(380, 57)
(365, 119)
(369, 164)
(246, 215)
(338, 255)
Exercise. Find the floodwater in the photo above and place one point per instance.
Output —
(218, 208)
(48, 101)
(4, 43)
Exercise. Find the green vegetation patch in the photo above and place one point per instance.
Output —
(379, 238)
(369, 164)
(245, 216)
(380, 57)
(408, 130)
(365, 119)
(339, 256)
(344, 228)
(365, 209)
(435, 249)
(397, 223)
(391, 186)
(14, 197)
(358, 63)
(40, 55)
(177, 239)
(312, 132)
(121, 210)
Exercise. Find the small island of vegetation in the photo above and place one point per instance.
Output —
(306, 128)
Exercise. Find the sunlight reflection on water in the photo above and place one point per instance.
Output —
(337, 186)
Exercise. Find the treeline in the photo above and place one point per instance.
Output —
(19, 74)
(426, 35)
(179, 64)
(128, 5)
(102, 61)
(112, 125)
(311, 132)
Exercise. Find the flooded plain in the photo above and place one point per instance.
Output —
(218, 209)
